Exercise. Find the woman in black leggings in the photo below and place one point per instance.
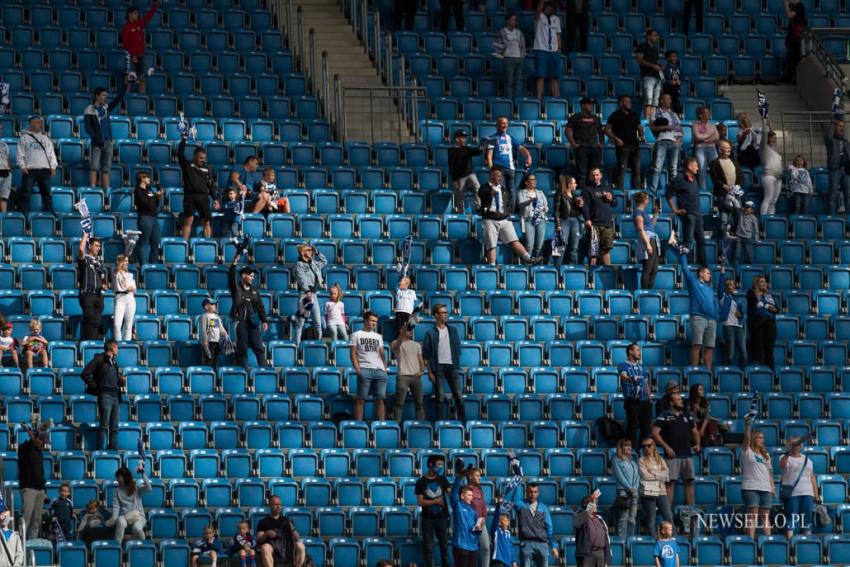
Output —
(761, 321)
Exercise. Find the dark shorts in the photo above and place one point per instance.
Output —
(196, 202)
(138, 67)
(606, 238)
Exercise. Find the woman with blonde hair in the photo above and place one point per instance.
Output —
(125, 299)
(798, 490)
(628, 487)
(757, 480)
(654, 475)
(335, 314)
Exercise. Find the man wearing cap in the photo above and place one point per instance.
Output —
(248, 312)
(31, 481)
(685, 190)
(497, 204)
(211, 332)
(309, 280)
(133, 40)
(93, 282)
(37, 161)
(624, 129)
(663, 403)
(103, 378)
(584, 131)
(97, 126)
(500, 153)
(460, 170)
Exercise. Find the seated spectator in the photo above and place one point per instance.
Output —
(127, 508)
(9, 348)
(244, 177)
(266, 196)
(700, 408)
(243, 545)
(278, 540)
(208, 549)
(705, 142)
(799, 185)
(93, 526)
(497, 204)
(35, 345)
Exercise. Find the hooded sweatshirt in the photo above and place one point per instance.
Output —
(35, 151)
(703, 300)
(96, 118)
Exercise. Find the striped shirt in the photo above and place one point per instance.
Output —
(637, 387)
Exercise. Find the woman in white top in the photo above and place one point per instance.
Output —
(757, 482)
(654, 475)
(12, 551)
(533, 208)
(125, 300)
(335, 314)
(798, 474)
(771, 178)
(127, 509)
(513, 56)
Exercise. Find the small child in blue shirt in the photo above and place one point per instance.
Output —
(207, 550)
(503, 546)
(62, 511)
(230, 210)
(243, 545)
(666, 548)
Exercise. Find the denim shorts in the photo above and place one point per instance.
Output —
(547, 64)
(101, 158)
(6, 186)
(372, 380)
(703, 331)
(650, 90)
(757, 498)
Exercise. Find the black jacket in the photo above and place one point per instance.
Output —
(583, 548)
(94, 375)
(597, 209)
(146, 205)
(460, 161)
(30, 467)
(485, 193)
(198, 180)
(241, 296)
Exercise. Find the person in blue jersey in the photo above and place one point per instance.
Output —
(500, 153)
(535, 528)
(466, 525)
(666, 549)
(637, 397)
(503, 546)
(704, 310)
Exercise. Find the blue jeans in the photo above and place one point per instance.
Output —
(315, 318)
(798, 512)
(692, 230)
(109, 408)
(627, 517)
(704, 155)
(736, 344)
(744, 247)
(147, 248)
(514, 86)
(650, 505)
(571, 229)
(371, 380)
(533, 553)
(534, 237)
(664, 150)
(838, 181)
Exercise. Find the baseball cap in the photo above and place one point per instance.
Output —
(670, 386)
(246, 270)
(209, 301)
(749, 205)
(35, 117)
(459, 133)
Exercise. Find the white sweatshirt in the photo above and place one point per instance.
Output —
(31, 155)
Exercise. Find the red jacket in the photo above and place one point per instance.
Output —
(133, 33)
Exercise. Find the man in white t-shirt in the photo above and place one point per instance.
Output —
(547, 48)
(369, 361)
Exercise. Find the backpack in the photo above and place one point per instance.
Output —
(610, 430)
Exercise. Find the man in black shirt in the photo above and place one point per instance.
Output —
(584, 133)
(248, 312)
(103, 379)
(685, 189)
(598, 211)
(431, 494)
(651, 72)
(676, 432)
(198, 189)
(92, 280)
(277, 539)
(31, 480)
(460, 170)
(624, 129)
(795, 10)
(147, 207)
(577, 25)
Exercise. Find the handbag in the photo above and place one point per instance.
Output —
(622, 501)
(786, 490)
(132, 517)
(227, 347)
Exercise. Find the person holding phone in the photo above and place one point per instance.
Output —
(593, 547)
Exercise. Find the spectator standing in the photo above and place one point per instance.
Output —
(513, 57)
(5, 174)
(578, 19)
(800, 185)
(92, 526)
(97, 126)
(405, 303)
(761, 321)
(535, 529)
(104, 379)
(672, 81)
(727, 178)
(746, 234)
(698, 406)
(133, 40)
(705, 142)
(798, 489)
(277, 538)
(309, 279)
(231, 213)
(593, 547)
(446, 8)
(500, 153)
(245, 176)
(651, 73)
(757, 486)
(368, 359)
(648, 242)
(637, 398)
(547, 48)
(654, 475)
(624, 129)
(749, 141)
(125, 299)
(837, 163)
(431, 495)
(699, 9)
(667, 129)
(666, 549)
(62, 511)
(411, 367)
(208, 549)
(461, 172)
(584, 132)
(795, 11)
(687, 207)
(248, 313)
(441, 350)
(36, 159)
(465, 524)
(335, 314)
(479, 504)
(598, 212)
(35, 345)
(534, 208)
(127, 508)
(628, 489)
(404, 14)
(732, 319)
(31, 480)
(198, 187)
(772, 172)
(704, 311)
(93, 282)
(568, 220)
(675, 430)
(146, 200)
(497, 205)
(503, 548)
(212, 333)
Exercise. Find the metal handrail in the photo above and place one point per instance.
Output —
(364, 24)
(326, 105)
(812, 44)
(312, 72)
(339, 114)
(388, 58)
(403, 96)
(815, 122)
(299, 45)
(377, 42)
